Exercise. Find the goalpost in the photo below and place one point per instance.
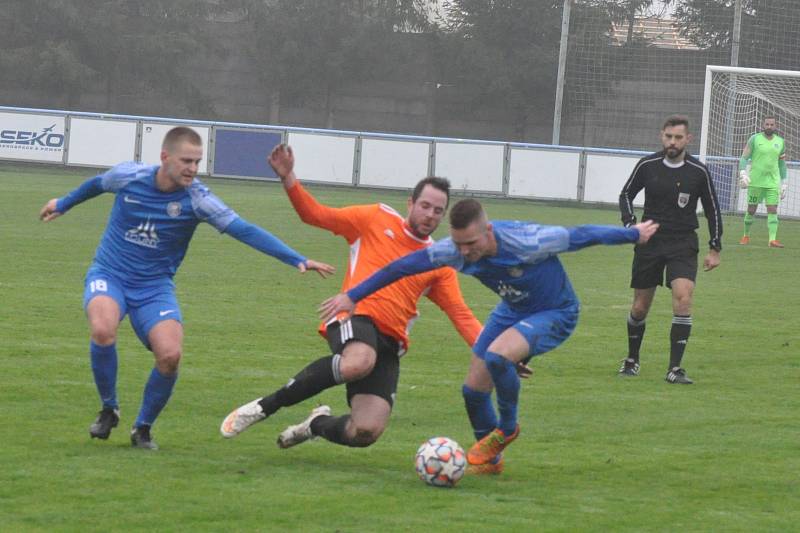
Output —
(735, 102)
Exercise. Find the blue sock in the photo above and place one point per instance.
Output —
(104, 368)
(506, 383)
(480, 411)
(156, 394)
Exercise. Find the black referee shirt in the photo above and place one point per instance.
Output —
(670, 196)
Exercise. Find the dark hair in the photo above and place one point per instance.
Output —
(676, 120)
(465, 212)
(443, 184)
(181, 133)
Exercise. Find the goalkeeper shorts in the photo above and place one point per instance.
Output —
(769, 195)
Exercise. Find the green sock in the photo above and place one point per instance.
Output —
(772, 225)
(748, 222)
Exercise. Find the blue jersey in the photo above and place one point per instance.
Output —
(525, 271)
(148, 230)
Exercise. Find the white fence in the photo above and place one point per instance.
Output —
(235, 150)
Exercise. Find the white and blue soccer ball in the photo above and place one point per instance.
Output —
(440, 462)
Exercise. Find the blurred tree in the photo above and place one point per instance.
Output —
(38, 51)
(507, 52)
(309, 49)
(127, 47)
(769, 36)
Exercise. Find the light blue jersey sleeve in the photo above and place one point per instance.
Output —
(263, 241)
(589, 235)
(437, 255)
(211, 209)
(532, 243)
(111, 180)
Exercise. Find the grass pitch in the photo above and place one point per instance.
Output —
(596, 452)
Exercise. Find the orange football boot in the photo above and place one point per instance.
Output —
(490, 468)
(490, 446)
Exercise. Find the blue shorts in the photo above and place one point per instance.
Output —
(544, 330)
(146, 306)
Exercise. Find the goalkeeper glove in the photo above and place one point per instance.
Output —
(784, 187)
(744, 179)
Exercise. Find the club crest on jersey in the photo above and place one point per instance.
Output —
(683, 199)
(515, 272)
(174, 209)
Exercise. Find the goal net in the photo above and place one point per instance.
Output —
(735, 102)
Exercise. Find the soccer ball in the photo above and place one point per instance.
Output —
(440, 462)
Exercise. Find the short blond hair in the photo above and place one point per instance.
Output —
(180, 134)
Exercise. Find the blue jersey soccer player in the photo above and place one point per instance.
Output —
(154, 216)
(537, 312)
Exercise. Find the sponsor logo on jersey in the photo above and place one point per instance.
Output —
(174, 209)
(515, 272)
(389, 233)
(144, 235)
(130, 200)
(509, 293)
(683, 199)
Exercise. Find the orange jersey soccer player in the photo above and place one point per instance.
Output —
(365, 348)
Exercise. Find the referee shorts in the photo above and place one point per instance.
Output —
(675, 254)
(382, 381)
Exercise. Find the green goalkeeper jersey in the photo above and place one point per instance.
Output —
(765, 155)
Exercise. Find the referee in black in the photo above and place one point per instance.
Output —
(673, 181)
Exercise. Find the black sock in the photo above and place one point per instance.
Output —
(678, 337)
(332, 428)
(635, 336)
(320, 375)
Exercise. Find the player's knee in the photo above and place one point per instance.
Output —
(355, 368)
(168, 360)
(496, 361)
(682, 304)
(366, 435)
(104, 333)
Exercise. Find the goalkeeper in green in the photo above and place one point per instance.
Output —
(766, 180)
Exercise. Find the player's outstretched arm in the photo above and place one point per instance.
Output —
(49, 211)
(267, 243)
(323, 269)
(58, 206)
(408, 265)
(335, 305)
(589, 235)
(646, 230)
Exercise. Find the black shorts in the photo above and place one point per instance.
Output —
(382, 381)
(675, 253)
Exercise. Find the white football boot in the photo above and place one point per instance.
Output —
(294, 435)
(242, 418)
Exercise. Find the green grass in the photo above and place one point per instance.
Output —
(596, 452)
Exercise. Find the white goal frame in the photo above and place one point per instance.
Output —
(710, 70)
(721, 154)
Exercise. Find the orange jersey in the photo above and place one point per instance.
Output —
(377, 235)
